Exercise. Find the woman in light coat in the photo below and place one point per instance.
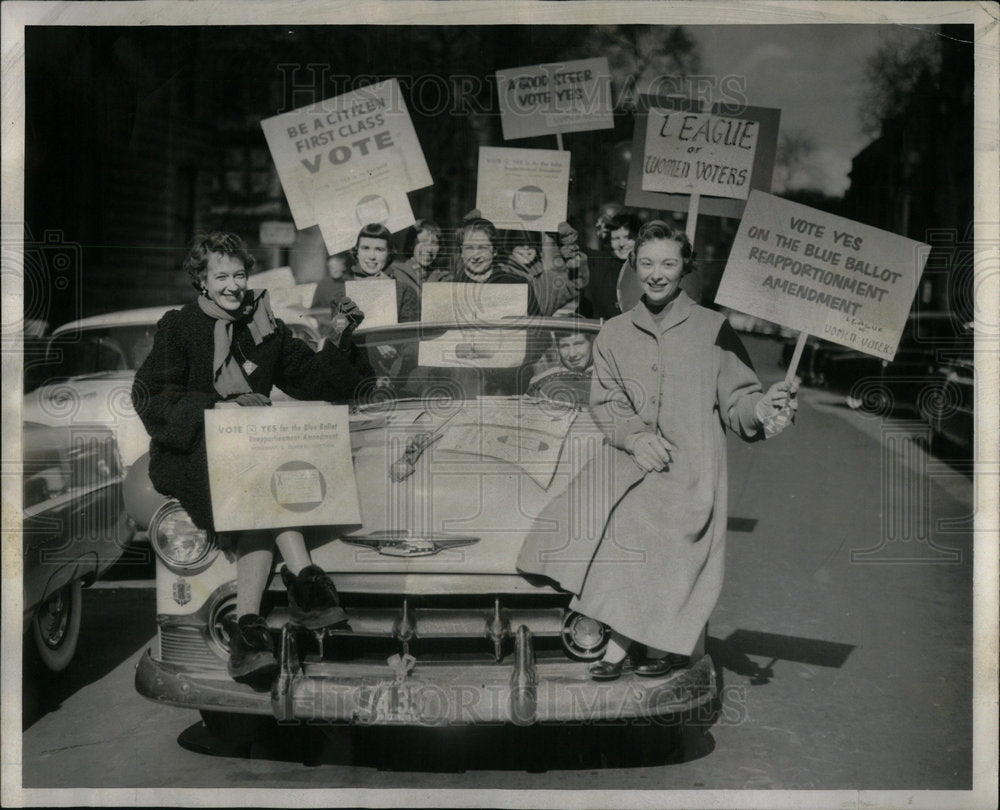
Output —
(669, 377)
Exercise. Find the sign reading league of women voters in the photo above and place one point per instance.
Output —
(523, 188)
(822, 274)
(281, 466)
(318, 149)
(689, 152)
(561, 97)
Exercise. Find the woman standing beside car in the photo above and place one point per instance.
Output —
(227, 347)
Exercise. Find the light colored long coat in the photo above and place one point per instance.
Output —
(686, 378)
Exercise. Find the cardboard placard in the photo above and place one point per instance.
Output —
(274, 279)
(374, 193)
(312, 147)
(377, 299)
(281, 466)
(560, 97)
(763, 164)
(461, 303)
(689, 152)
(274, 233)
(822, 274)
(523, 188)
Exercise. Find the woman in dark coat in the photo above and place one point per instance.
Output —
(227, 346)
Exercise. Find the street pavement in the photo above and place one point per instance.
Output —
(842, 641)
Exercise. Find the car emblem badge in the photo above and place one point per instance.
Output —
(401, 543)
(182, 591)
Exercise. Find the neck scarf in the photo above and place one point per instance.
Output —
(227, 376)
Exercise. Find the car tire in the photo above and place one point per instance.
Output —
(55, 627)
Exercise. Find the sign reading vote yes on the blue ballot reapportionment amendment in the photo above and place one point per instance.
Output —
(281, 466)
(822, 274)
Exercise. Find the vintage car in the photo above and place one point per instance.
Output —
(75, 528)
(471, 431)
(949, 399)
(87, 371)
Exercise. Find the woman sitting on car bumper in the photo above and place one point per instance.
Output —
(228, 347)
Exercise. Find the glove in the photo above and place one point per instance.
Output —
(568, 239)
(347, 316)
(252, 400)
(776, 409)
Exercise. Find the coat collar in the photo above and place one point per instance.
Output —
(677, 313)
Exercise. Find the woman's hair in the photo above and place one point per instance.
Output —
(518, 237)
(478, 225)
(375, 230)
(419, 227)
(228, 244)
(623, 219)
(656, 230)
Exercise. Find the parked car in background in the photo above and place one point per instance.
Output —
(456, 451)
(88, 367)
(949, 399)
(75, 528)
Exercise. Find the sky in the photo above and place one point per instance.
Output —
(813, 74)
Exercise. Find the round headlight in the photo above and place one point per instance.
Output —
(177, 541)
(584, 637)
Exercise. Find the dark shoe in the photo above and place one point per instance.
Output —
(603, 671)
(658, 667)
(312, 598)
(251, 650)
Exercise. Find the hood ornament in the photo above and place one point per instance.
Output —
(403, 543)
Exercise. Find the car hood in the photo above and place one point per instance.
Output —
(487, 490)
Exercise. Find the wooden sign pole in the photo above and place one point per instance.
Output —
(796, 356)
(692, 218)
(559, 142)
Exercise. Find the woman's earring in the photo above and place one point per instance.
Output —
(204, 291)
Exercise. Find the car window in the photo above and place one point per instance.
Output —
(99, 351)
(463, 363)
(67, 461)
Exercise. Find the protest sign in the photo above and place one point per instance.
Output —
(280, 466)
(372, 192)
(274, 233)
(560, 97)
(637, 196)
(313, 146)
(376, 297)
(450, 302)
(822, 274)
(523, 188)
(274, 279)
(687, 152)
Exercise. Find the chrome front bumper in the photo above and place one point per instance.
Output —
(527, 692)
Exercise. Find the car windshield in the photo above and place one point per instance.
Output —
(485, 359)
(100, 351)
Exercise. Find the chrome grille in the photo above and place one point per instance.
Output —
(186, 646)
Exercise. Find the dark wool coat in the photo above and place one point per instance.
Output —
(655, 572)
(173, 388)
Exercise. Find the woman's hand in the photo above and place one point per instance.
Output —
(650, 451)
(779, 397)
(347, 316)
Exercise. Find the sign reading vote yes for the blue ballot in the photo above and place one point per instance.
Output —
(560, 97)
(281, 466)
(822, 274)
(317, 149)
(523, 188)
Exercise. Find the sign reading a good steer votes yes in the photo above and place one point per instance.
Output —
(822, 274)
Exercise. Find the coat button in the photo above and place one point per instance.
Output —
(654, 366)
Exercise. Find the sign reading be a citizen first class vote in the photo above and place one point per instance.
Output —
(281, 466)
(317, 149)
(560, 97)
(523, 188)
(822, 274)
(688, 152)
